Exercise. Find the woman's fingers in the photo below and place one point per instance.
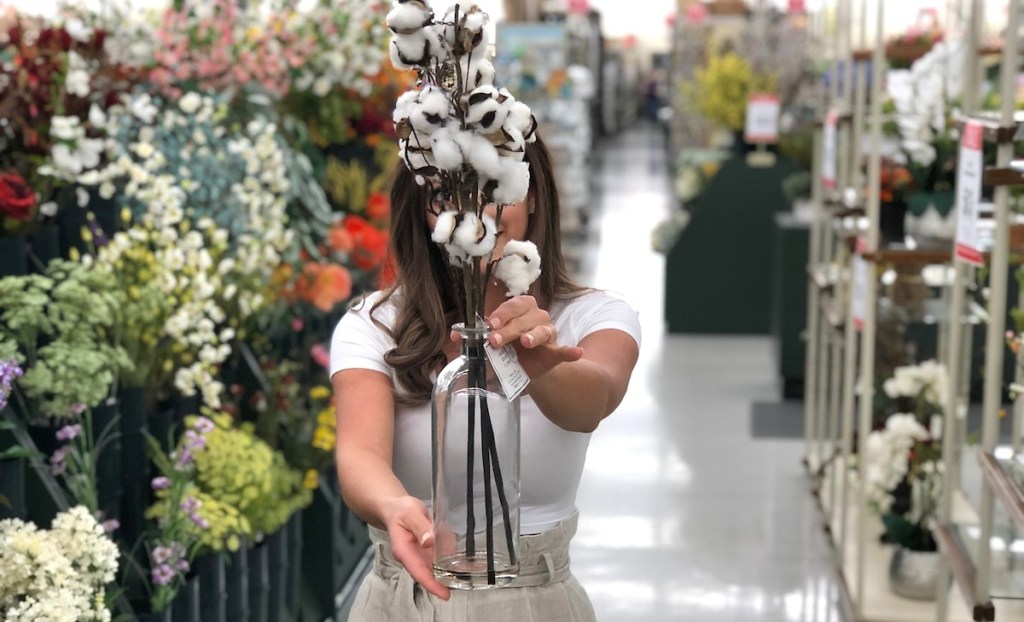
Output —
(412, 542)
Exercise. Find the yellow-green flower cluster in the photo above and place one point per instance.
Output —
(720, 89)
(225, 527)
(239, 469)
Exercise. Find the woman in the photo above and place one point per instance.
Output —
(578, 346)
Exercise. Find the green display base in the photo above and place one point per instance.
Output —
(718, 275)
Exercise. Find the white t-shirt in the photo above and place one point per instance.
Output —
(552, 458)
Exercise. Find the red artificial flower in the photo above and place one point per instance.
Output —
(378, 206)
(340, 239)
(371, 244)
(17, 200)
(323, 285)
(388, 273)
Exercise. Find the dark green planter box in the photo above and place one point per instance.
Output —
(212, 579)
(13, 255)
(718, 275)
(259, 584)
(237, 579)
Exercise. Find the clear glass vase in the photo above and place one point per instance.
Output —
(475, 471)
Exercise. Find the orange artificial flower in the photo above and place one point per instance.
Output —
(388, 273)
(324, 285)
(340, 238)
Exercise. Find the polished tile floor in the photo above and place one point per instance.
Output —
(684, 516)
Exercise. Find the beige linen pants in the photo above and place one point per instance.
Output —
(544, 591)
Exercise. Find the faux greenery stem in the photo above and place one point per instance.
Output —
(47, 478)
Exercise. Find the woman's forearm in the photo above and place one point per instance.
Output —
(368, 485)
(575, 396)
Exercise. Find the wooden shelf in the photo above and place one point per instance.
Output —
(994, 131)
(928, 255)
(1012, 175)
(996, 473)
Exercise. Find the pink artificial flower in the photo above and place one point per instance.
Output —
(320, 355)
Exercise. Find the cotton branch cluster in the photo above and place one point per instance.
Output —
(463, 137)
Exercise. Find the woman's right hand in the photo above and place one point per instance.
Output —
(412, 542)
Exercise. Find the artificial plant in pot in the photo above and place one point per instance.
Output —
(466, 140)
(903, 475)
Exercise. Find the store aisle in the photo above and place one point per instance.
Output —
(684, 516)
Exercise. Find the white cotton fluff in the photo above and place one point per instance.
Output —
(415, 157)
(475, 236)
(514, 183)
(521, 118)
(403, 107)
(431, 112)
(444, 227)
(477, 70)
(481, 154)
(447, 153)
(518, 267)
(515, 147)
(484, 111)
(408, 17)
(409, 51)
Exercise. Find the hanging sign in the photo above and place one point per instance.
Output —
(797, 7)
(579, 7)
(762, 124)
(859, 289)
(968, 194)
(830, 148)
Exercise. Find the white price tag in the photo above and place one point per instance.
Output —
(510, 373)
(762, 124)
(968, 194)
(859, 290)
(829, 149)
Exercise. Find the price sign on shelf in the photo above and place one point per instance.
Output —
(829, 149)
(968, 194)
(762, 124)
(859, 289)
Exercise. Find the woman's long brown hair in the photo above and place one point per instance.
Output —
(429, 298)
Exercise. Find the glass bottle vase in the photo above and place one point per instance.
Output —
(475, 471)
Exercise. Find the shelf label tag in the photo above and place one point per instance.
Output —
(859, 290)
(968, 194)
(510, 373)
(829, 149)
(762, 124)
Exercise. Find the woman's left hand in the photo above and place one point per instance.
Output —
(520, 322)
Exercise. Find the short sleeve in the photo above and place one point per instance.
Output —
(359, 343)
(601, 310)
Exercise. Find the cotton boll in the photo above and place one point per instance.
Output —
(431, 112)
(403, 106)
(518, 267)
(475, 236)
(514, 147)
(484, 112)
(481, 154)
(444, 228)
(408, 17)
(514, 183)
(446, 151)
(521, 118)
(419, 160)
(410, 51)
(476, 70)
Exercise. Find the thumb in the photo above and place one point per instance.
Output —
(572, 353)
(421, 527)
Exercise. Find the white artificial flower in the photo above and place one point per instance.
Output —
(447, 153)
(519, 266)
(322, 86)
(78, 31)
(143, 108)
(480, 154)
(65, 128)
(476, 71)
(190, 103)
(49, 208)
(77, 82)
